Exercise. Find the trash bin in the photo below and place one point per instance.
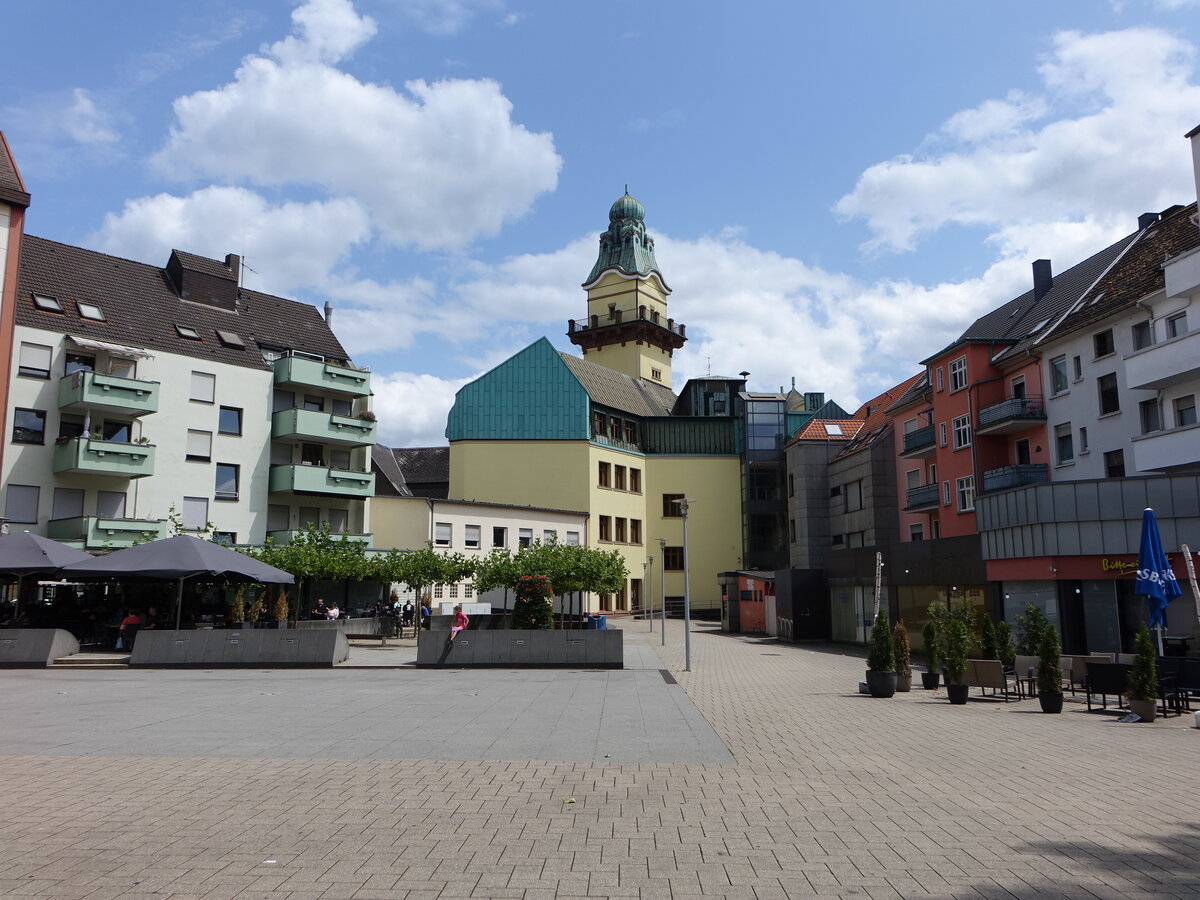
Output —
(602, 623)
(595, 622)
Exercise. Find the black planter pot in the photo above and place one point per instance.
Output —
(957, 693)
(929, 680)
(1051, 703)
(881, 684)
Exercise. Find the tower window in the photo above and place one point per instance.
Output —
(656, 374)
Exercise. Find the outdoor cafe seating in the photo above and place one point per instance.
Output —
(1110, 679)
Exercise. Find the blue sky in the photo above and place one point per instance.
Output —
(835, 190)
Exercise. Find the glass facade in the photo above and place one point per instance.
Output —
(764, 500)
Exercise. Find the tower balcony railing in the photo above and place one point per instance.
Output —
(1015, 476)
(618, 316)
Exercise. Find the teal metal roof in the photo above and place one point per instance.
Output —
(625, 246)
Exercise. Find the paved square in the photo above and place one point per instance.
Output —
(761, 774)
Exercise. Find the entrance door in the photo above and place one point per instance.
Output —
(1022, 448)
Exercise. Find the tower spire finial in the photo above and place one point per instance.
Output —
(627, 187)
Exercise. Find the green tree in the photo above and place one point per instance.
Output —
(933, 650)
(1030, 628)
(901, 649)
(1143, 677)
(1004, 644)
(987, 638)
(1049, 653)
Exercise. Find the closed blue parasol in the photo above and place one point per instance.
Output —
(1155, 580)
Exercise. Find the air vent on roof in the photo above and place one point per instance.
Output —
(230, 339)
(49, 304)
(90, 310)
(187, 332)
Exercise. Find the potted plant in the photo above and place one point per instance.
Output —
(933, 655)
(988, 646)
(366, 416)
(255, 608)
(1142, 686)
(281, 610)
(903, 654)
(1049, 671)
(1004, 645)
(955, 641)
(881, 659)
(238, 611)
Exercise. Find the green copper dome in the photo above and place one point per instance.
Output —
(625, 246)
(627, 208)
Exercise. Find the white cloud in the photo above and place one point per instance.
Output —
(435, 166)
(412, 408)
(446, 17)
(85, 123)
(997, 168)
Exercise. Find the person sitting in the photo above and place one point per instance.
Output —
(332, 611)
(319, 611)
(407, 613)
(130, 625)
(152, 619)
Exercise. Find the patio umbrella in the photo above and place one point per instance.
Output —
(24, 553)
(182, 557)
(1155, 580)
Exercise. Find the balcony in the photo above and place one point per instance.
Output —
(282, 538)
(1167, 450)
(301, 372)
(921, 498)
(321, 480)
(90, 456)
(919, 443)
(308, 425)
(1164, 364)
(99, 532)
(1014, 414)
(1015, 476)
(85, 390)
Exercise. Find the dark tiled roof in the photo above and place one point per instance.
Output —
(1138, 273)
(389, 481)
(621, 392)
(918, 389)
(142, 308)
(12, 189)
(426, 470)
(202, 264)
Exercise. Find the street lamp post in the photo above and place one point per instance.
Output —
(687, 597)
(648, 570)
(662, 590)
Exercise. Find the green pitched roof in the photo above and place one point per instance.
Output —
(625, 246)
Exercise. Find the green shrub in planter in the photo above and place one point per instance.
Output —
(880, 656)
(988, 647)
(1004, 644)
(933, 649)
(955, 641)
(1049, 673)
(901, 649)
(1030, 628)
(1143, 677)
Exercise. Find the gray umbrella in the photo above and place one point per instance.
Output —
(181, 557)
(23, 554)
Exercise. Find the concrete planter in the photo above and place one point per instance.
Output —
(263, 648)
(29, 648)
(567, 648)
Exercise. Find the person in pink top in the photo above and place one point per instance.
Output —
(459, 624)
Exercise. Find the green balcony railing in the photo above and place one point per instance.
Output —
(90, 456)
(302, 372)
(285, 537)
(321, 480)
(110, 393)
(98, 532)
(308, 425)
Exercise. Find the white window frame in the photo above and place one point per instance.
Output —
(35, 360)
(964, 488)
(962, 432)
(947, 497)
(195, 513)
(204, 387)
(443, 534)
(1058, 364)
(472, 535)
(958, 374)
(199, 445)
(1061, 431)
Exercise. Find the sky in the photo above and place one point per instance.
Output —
(835, 190)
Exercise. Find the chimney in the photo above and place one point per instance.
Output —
(1145, 220)
(1043, 278)
(234, 263)
(328, 313)
(1194, 137)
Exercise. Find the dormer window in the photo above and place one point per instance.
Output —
(90, 311)
(230, 339)
(47, 303)
(187, 332)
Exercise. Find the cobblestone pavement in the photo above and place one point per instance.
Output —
(830, 794)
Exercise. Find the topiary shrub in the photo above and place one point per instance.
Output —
(1049, 673)
(533, 609)
(955, 640)
(1143, 677)
(901, 649)
(987, 638)
(933, 649)
(880, 656)
(1030, 628)
(1004, 644)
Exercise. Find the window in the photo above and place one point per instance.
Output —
(47, 303)
(962, 432)
(339, 459)
(614, 428)
(965, 487)
(230, 339)
(312, 455)
(29, 426)
(671, 508)
(21, 503)
(958, 374)
(34, 361)
(549, 536)
(837, 540)
(1143, 336)
(117, 431)
(619, 477)
(791, 485)
(605, 476)
(187, 332)
(912, 479)
(932, 474)
(597, 424)
(621, 536)
(1185, 410)
(1114, 464)
(110, 504)
(472, 537)
(499, 536)
(941, 383)
(635, 480)
(281, 400)
(792, 530)
(1083, 440)
(916, 531)
(1077, 366)
(853, 492)
(606, 528)
(341, 407)
(1110, 401)
(199, 445)
(227, 481)
(946, 493)
(1151, 419)
(225, 538)
(78, 362)
(278, 517)
(1177, 325)
(1063, 443)
(313, 403)
(631, 432)
(90, 311)
(438, 592)
(635, 531)
(835, 491)
(230, 420)
(941, 434)
(68, 503)
(454, 592)
(339, 521)
(1018, 387)
(673, 559)
(1058, 375)
(309, 516)
(468, 590)
(195, 513)
(572, 538)
(204, 387)
(525, 537)
(442, 534)
(123, 368)
(656, 374)
(1102, 343)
